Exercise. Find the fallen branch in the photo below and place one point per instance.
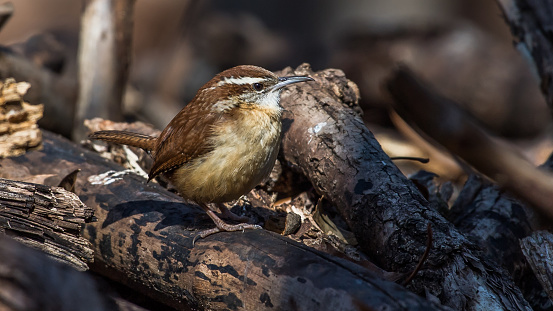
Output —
(330, 144)
(496, 221)
(29, 280)
(536, 247)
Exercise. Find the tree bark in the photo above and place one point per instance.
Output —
(49, 219)
(536, 247)
(496, 221)
(18, 120)
(388, 215)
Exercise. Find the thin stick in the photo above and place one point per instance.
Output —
(424, 256)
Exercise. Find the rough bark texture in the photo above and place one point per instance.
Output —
(18, 120)
(144, 234)
(537, 249)
(496, 222)
(388, 215)
(46, 218)
(531, 25)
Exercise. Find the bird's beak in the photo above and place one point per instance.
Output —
(284, 81)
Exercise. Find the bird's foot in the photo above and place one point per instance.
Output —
(222, 226)
(228, 228)
(226, 213)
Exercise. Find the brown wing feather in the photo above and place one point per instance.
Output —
(185, 138)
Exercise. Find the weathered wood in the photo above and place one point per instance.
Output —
(104, 58)
(144, 235)
(46, 218)
(460, 135)
(496, 221)
(537, 249)
(18, 120)
(30, 281)
(332, 146)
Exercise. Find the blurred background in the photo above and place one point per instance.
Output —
(463, 48)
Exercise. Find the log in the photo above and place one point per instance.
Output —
(496, 221)
(421, 106)
(537, 249)
(144, 239)
(333, 148)
(49, 219)
(31, 281)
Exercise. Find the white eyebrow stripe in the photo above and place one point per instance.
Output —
(241, 80)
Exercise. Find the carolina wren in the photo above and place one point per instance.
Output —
(223, 143)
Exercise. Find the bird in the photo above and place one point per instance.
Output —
(222, 144)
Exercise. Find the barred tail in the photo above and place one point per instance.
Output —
(126, 138)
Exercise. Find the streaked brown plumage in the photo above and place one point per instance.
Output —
(223, 143)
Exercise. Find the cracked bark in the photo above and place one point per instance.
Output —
(536, 248)
(49, 219)
(388, 215)
(496, 221)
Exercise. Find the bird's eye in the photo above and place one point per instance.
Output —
(258, 86)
